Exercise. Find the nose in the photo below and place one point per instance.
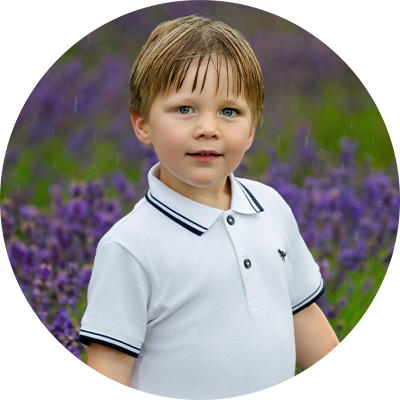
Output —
(207, 127)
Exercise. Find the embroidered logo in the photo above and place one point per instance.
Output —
(282, 254)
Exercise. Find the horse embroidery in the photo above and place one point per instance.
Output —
(282, 254)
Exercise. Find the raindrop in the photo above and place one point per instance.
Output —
(309, 112)
(76, 104)
(94, 137)
(339, 250)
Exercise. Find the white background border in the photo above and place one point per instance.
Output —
(35, 34)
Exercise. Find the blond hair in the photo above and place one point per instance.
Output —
(164, 60)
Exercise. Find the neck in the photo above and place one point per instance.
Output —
(217, 196)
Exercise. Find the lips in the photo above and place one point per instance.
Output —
(205, 153)
(204, 156)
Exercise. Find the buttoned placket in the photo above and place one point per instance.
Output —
(234, 226)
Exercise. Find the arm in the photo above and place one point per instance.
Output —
(314, 336)
(112, 363)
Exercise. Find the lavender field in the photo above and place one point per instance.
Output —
(73, 166)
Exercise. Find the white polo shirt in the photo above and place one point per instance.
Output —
(204, 298)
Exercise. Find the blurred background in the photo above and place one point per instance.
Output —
(73, 166)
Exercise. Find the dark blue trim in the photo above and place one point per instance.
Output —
(108, 337)
(175, 212)
(178, 221)
(87, 340)
(310, 298)
(260, 208)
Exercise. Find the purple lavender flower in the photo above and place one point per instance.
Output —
(66, 331)
(8, 219)
(124, 187)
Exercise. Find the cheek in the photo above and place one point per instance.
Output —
(168, 143)
(239, 144)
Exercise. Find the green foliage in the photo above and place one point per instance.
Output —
(359, 295)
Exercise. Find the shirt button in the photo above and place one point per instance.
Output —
(247, 263)
(230, 220)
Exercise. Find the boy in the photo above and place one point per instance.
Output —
(206, 289)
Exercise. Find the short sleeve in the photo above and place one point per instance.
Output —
(118, 297)
(308, 285)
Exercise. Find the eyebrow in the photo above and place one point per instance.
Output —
(225, 101)
(179, 100)
(234, 103)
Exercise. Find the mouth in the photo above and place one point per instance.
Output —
(204, 155)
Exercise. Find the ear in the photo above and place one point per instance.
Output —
(251, 136)
(141, 128)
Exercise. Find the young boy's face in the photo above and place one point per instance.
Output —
(199, 137)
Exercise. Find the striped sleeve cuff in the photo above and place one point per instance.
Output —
(86, 337)
(312, 298)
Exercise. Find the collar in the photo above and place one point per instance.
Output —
(194, 216)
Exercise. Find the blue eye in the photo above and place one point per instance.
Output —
(184, 110)
(229, 112)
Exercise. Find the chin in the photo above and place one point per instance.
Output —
(203, 182)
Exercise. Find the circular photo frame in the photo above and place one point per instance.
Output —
(73, 167)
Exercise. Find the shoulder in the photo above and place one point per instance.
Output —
(120, 253)
(266, 195)
(131, 230)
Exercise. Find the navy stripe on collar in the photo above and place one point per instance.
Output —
(175, 216)
(189, 224)
(252, 200)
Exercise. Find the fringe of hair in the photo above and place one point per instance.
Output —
(164, 61)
